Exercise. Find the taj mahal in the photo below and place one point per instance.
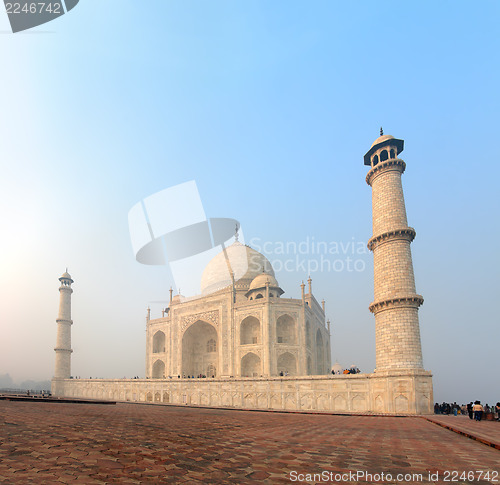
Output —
(242, 344)
(242, 327)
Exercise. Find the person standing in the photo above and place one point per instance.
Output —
(497, 409)
(469, 410)
(478, 410)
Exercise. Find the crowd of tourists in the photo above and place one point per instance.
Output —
(352, 370)
(475, 410)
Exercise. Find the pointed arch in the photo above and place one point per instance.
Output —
(158, 342)
(158, 369)
(287, 363)
(320, 357)
(250, 331)
(211, 370)
(401, 404)
(196, 356)
(339, 403)
(251, 365)
(212, 345)
(285, 330)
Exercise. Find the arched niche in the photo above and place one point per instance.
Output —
(196, 356)
(287, 363)
(320, 356)
(158, 342)
(285, 330)
(158, 369)
(251, 365)
(250, 331)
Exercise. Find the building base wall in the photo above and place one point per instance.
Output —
(398, 392)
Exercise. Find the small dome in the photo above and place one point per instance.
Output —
(381, 139)
(261, 280)
(66, 276)
(337, 368)
(243, 261)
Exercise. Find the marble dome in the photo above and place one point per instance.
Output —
(243, 261)
(381, 139)
(66, 276)
(260, 281)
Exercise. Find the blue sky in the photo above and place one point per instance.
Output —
(270, 107)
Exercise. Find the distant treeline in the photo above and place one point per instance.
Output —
(7, 383)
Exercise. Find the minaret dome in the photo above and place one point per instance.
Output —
(385, 147)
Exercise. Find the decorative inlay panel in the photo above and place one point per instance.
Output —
(278, 314)
(242, 316)
(210, 317)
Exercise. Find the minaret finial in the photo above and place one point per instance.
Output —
(236, 229)
(381, 131)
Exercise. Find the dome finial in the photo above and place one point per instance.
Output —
(381, 131)
(236, 229)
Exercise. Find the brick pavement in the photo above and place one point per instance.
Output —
(487, 432)
(133, 443)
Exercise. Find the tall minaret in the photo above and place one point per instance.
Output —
(64, 322)
(396, 303)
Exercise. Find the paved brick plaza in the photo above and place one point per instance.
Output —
(132, 443)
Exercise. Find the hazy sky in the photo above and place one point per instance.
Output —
(270, 107)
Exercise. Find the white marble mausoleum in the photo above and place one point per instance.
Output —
(241, 344)
(240, 326)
